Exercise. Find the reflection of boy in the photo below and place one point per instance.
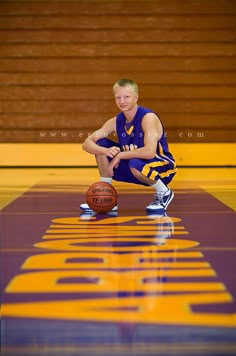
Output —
(141, 155)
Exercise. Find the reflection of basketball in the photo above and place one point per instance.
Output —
(101, 197)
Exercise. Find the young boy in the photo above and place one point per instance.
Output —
(141, 155)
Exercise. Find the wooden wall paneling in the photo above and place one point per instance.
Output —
(102, 79)
(105, 21)
(56, 56)
(143, 64)
(104, 106)
(78, 92)
(74, 120)
(113, 7)
(113, 49)
(106, 78)
(123, 35)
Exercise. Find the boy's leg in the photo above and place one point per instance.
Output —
(102, 163)
(102, 160)
(158, 185)
(150, 173)
(122, 173)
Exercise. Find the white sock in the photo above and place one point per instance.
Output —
(159, 186)
(106, 180)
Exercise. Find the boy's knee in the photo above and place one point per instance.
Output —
(134, 163)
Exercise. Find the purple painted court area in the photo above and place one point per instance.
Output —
(27, 219)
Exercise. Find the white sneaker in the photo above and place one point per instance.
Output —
(86, 208)
(161, 201)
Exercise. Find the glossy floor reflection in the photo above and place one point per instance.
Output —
(117, 284)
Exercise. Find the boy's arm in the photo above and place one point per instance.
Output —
(91, 146)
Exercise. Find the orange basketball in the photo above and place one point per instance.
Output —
(101, 197)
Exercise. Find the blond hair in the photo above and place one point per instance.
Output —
(126, 82)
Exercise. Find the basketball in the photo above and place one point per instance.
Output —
(101, 197)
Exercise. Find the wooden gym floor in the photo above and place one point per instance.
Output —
(125, 284)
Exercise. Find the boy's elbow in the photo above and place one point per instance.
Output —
(85, 145)
(88, 146)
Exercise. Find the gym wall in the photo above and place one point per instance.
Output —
(59, 60)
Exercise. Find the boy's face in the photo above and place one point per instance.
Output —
(125, 98)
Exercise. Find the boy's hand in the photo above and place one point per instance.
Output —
(112, 151)
(113, 164)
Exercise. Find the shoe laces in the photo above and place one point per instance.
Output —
(158, 198)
